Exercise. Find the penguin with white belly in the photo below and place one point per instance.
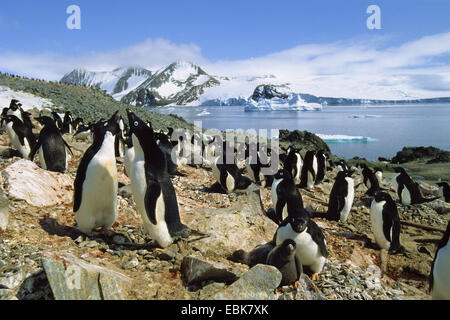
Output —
(152, 188)
(309, 170)
(386, 223)
(96, 184)
(408, 191)
(294, 163)
(51, 146)
(440, 275)
(341, 198)
(370, 180)
(67, 123)
(310, 242)
(283, 189)
(21, 135)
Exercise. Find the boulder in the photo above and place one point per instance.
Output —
(195, 271)
(307, 290)
(24, 180)
(71, 278)
(302, 140)
(408, 154)
(258, 283)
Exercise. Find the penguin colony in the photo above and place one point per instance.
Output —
(298, 244)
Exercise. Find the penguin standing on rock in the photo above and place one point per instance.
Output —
(294, 164)
(321, 166)
(152, 188)
(370, 181)
(283, 190)
(439, 276)
(21, 135)
(51, 146)
(310, 242)
(96, 184)
(408, 191)
(67, 123)
(386, 222)
(309, 170)
(341, 198)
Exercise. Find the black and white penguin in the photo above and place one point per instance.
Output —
(341, 165)
(407, 190)
(228, 175)
(444, 189)
(284, 190)
(77, 123)
(440, 276)
(321, 166)
(21, 135)
(294, 164)
(96, 184)
(310, 242)
(309, 170)
(58, 120)
(67, 123)
(254, 170)
(84, 131)
(341, 198)
(284, 258)
(51, 146)
(257, 256)
(370, 180)
(152, 188)
(378, 172)
(385, 222)
(166, 147)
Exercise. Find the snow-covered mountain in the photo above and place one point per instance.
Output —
(179, 83)
(117, 83)
(184, 83)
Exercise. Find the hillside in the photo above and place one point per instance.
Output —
(90, 103)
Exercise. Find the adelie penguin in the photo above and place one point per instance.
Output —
(96, 184)
(285, 259)
(283, 190)
(407, 190)
(255, 171)
(154, 194)
(310, 242)
(440, 276)
(51, 146)
(67, 123)
(229, 176)
(341, 198)
(370, 181)
(321, 166)
(294, 164)
(309, 170)
(20, 135)
(385, 223)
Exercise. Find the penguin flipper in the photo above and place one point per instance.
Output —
(68, 147)
(279, 208)
(318, 237)
(298, 266)
(388, 222)
(152, 194)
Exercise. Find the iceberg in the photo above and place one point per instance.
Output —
(331, 138)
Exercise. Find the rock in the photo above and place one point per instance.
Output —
(74, 279)
(307, 290)
(419, 153)
(258, 283)
(302, 140)
(24, 180)
(195, 271)
(11, 279)
(125, 192)
(130, 264)
(167, 255)
(4, 210)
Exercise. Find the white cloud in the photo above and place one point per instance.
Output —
(353, 69)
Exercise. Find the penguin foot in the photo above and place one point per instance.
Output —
(296, 284)
(315, 277)
(160, 250)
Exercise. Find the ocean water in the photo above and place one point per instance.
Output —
(364, 131)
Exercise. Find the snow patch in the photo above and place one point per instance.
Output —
(28, 100)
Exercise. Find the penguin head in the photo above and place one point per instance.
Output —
(45, 121)
(382, 196)
(299, 221)
(13, 119)
(376, 169)
(103, 127)
(14, 104)
(341, 175)
(283, 174)
(288, 246)
(399, 170)
(139, 129)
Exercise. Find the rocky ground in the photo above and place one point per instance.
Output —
(43, 256)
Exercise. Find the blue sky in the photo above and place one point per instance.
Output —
(314, 38)
(222, 29)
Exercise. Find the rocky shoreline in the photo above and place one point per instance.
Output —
(43, 256)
